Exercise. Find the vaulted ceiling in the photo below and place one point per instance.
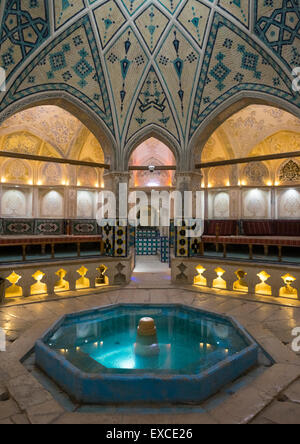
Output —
(135, 66)
(49, 131)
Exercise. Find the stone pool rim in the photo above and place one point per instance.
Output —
(136, 387)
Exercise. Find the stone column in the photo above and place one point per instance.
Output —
(189, 181)
(112, 181)
(71, 202)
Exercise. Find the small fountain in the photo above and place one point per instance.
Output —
(176, 354)
(147, 342)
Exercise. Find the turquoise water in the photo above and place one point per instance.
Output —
(189, 340)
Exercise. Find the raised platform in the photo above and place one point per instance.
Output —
(52, 241)
(250, 241)
(58, 277)
(252, 278)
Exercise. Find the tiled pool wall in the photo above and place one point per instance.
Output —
(143, 387)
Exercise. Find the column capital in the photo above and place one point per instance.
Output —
(112, 179)
(188, 180)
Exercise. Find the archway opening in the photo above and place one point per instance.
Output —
(250, 166)
(45, 152)
(149, 164)
(152, 165)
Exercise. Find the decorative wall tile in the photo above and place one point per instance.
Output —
(84, 227)
(25, 26)
(234, 63)
(170, 5)
(49, 227)
(17, 227)
(178, 60)
(238, 8)
(179, 34)
(133, 5)
(70, 63)
(194, 17)
(109, 19)
(151, 24)
(152, 107)
(121, 241)
(64, 10)
(126, 62)
(278, 26)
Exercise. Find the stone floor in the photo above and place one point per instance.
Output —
(273, 397)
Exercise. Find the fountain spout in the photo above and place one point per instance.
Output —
(147, 343)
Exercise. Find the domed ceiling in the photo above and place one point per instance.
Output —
(164, 67)
(49, 131)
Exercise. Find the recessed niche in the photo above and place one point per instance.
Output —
(200, 279)
(85, 204)
(62, 284)
(221, 205)
(51, 203)
(219, 282)
(256, 204)
(288, 291)
(83, 282)
(102, 280)
(288, 202)
(14, 290)
(16, 202)
(263, 288)
(241, 284)
(39, 287)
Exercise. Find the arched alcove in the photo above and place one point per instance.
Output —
(152, 152)
(226, 111)
(78, 110)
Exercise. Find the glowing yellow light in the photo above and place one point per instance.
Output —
(39, 183)
(228, 184)
(62, 284)
(209, 185)
(263, 288)
(277, 184)
(244, 183)
(83, 282)
(78, 183)
(3, 180)
(200, 279)
(14, 290)
(220, 282)
(96, 185)
(39, 287)
(30, 182)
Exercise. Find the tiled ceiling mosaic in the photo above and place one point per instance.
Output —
(137, 65)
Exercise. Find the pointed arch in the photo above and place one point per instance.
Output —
(79, 110)
(157, 133)
(226, 110)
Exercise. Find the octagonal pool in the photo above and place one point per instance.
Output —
(145, 353)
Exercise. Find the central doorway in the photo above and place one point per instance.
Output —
(150, 160)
